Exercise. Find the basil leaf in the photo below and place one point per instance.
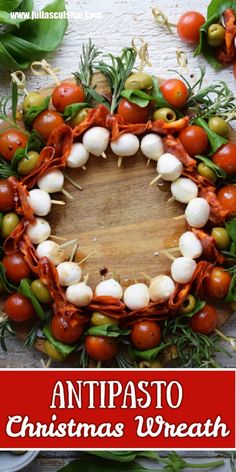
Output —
(230, 227)
(35, 142)
(18, 156)
(231, 296)
(9, 287)
(97, 465)
(215, 140)
(9, 5)
(64, 349)
(25, 289)
(72, 110)
(149, 354)
(157, 95)
(138, 97)
(111, 330)
(34, 111)
(219, 172)
(124, 456)
(219, 6)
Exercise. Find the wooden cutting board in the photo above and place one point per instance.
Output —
(118, 215)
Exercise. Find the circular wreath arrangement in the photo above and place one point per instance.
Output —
(185, 130)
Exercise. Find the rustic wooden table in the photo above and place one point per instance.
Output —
(112, 25)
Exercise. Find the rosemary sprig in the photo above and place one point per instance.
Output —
(6, 170)
(32, 335)
(86, 63)
(117, 72)
(6, 330)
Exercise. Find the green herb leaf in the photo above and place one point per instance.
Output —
(18, 156)
(34, 111)
(215, 140)
(218, 170)
(25, 289)
(124, 456)
(111, 330)
(72, 110)
(64, 349)
(219, 6)
(230, 227)
(157, 95)
(231, 296)
(138, 97)
(97, 465)
(6, 170)
(32, 335)
(149, 354)
(9, 287)
(35, 142)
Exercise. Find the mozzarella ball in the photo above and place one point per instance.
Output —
(38, 231)
(40, 202)
(136, 296)
(161, 288)
(52, 251)
(96, 140)
(110, 288)
(169, 167)
(126, 145)
(52, 181)
(79, 294)
(189, 245)
(78, 156)
(197, 212)
(184, 190)
(152, 146)
(69, 273)
(182, 269)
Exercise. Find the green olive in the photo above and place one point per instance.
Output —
(98, 319)
(33, 99)
(79, 117)
(215, 35)
(221, 238)
(138, 81)
(9, 223)
(188, 305)
(41, 291)
(165, 114)
(52, 352)
(219, 126)
(206, 172)
(26, 165)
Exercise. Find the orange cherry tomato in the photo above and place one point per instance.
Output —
(132, 113)
(66, 331)
(46, 122)
(175, 92)
(145, 335)
(227, 198)
(225, 158)
(16, 267)
(188, 26)
(205, 320)
(11, 140)
(19, 308)
(100, 348)
(7, 196)
(65, 94)
(218, 282)
(194, 140)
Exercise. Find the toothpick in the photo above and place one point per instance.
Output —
(47, 364)
(180, 217)
(72, 182)
(171, 199)
(58, 202)
(103, 154)
(86, 277)
(148, 162)
(89, 255)
(158, 177)
(84, 167)
(73, 252)
(67, 194)
(120, 160)
(59, 238)
(231, 341)
(19, 78)
(44, 68)
(68, 243)
(172, 249)
(146, 276)
(169, 256)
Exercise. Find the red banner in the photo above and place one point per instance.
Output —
(133, 409)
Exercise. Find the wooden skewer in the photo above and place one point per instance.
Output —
(171, 249)
(103, 154)
(67, 194)
(59, 238)
(171, 199)
(170, 256)
(158, 177)
(180, 217)
(73, 252)
(58, 202)
(68, 243)
(146, 276)
(84, 168)
(148, 162)
(120, 160)
(72, 182)
(85, 258)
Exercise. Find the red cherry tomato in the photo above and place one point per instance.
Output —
(100, 348)
(7, 196)
(194, 140)
(145, 335)
(175, 92)
(188, 26)
(19, 308)
(10, 141)
(132, 113)
(225, 157)
(65, 94)
(46, 122)
(16, 267)
(205, 320)
(66, 331)
(227, 198)
(218, 282)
